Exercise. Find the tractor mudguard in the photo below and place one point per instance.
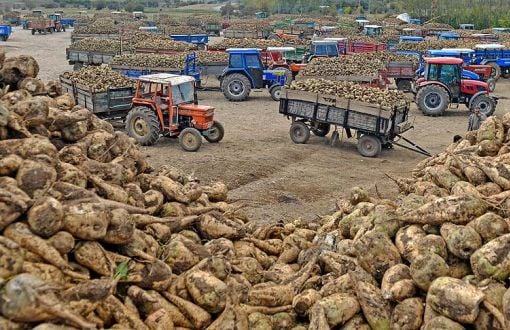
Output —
(503, 62)
(475, 96)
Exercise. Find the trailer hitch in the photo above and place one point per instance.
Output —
(414, 147)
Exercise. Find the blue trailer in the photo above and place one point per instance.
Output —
(196, 39)
(449, 36)
(68, 22)
(410, 39)
(5, 32)
(495, 55)
(190, 69)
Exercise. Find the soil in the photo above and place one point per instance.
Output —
(274, 178)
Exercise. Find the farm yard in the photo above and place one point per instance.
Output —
(254, 231)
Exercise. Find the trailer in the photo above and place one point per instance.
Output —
(68, 22)
(246, 34)
(495, 55)
(213, 29)
(375, 126)
(79, 36)
(80, 58)
(197, 39)
(114, 103)
(379, 80)
(403, 73)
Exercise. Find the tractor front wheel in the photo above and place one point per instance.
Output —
(216, 133)
(485, 103)
(299, 132)
(143, 125)
(496, 70)
(492, 84)
(276, 92)
(190, 139)
(236, 87)
(432, 100)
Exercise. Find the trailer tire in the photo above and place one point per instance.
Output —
(485, 103)
(369, 145)
(190, 139)
(496, 70)
(217, 133)
(236, 87)
(63, 29)
(33, 31)
(276, 92)
(492, 84)
(299, 132)
(432, 100)
(143, 125)
(321, 130)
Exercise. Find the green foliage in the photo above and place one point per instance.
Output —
(99, 4)
(134, 6)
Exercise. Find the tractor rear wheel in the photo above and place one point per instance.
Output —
(369, 145)
(216, 133)
(236, 87)
(190, 139)
(299, 132)
(143, 125)
(276, 92)
(432, 100)
(492, 84)
(321, 130)
(485, 103)
(496, 70)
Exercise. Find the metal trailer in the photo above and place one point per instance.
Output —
(403, 73)
(197, 39)
(495, 55)
(68, 22)
(375, 126)
(79, 36)
(213, 29)
(379, 80)
(212, 69)
(114, 103)
(80, 58)
(246, 34)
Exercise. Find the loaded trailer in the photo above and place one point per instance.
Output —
(81, 58)
(374, 126)
(114, 103)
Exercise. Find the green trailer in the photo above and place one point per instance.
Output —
(295, 56)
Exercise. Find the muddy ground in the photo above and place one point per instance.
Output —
(275, 178)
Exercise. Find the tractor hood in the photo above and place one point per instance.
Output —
(477, 84)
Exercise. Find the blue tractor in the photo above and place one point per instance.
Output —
(495, 55)
(245, 72)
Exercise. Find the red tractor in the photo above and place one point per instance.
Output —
(442, 85)
(167, 104)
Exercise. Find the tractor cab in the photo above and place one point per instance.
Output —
(323, 48)
(361, 22)
(465, 54)
(442, 84)
(55, 17)
(466, 26)
(372, 30)
(167, 104)
(501, 30)
(246, 71)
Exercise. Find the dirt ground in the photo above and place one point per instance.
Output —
(275, 178)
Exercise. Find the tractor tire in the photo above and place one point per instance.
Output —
(216, 133)
(276, 92)
(63, 29)
(404, 85)
(190, 139)
(288, 76)
(496, 70)
(236, 87)
(492, 84)
(369, 145)
(432, 100)
(142, 124)
(321, 130)
(299, 132)
(485, 103)
(33, 32)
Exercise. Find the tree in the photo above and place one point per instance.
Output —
(134, 6)
(30, 4)
(99, 4)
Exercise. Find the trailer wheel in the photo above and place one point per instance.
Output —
(369, 145)
(143, 125)
(33, 31)
(216, 133)
(496, 70)
(299, 132)
(432, 100)
(190, 139)
(485, 104)
(321, 130)
(276, 92)
(63, 28)
(492, 84)
(236, 87)
(404, 85)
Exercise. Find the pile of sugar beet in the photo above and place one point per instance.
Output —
(93, 237)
